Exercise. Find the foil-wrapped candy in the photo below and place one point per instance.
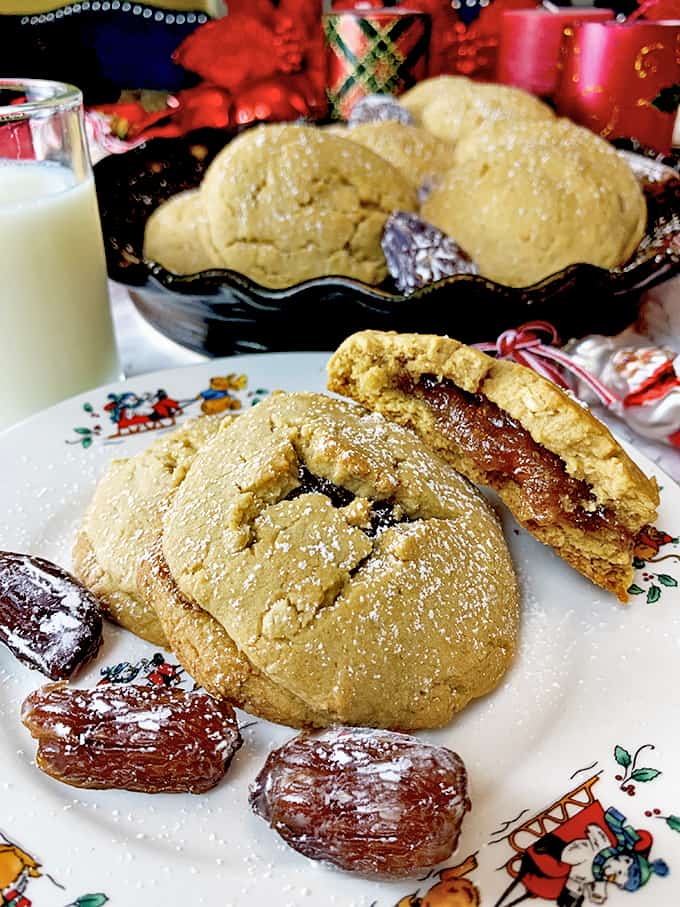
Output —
(646, 379)
(379, 108)
(418, 253)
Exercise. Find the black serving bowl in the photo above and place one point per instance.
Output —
(220, 312)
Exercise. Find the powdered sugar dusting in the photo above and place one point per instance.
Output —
(313, 578)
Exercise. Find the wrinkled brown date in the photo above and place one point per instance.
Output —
(135, 738)
(48, 620)
(373, 802)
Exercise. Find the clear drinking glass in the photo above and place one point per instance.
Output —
(56, 335)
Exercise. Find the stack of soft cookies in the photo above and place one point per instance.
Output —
(524, 193)
(283, 204)
(310, 562)
(321, 562)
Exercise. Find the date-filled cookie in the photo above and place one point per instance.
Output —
(289, 203)
(529, 199)
(560, 146)
(353, 568)
(557, 468)
(453, 118)
(175, 235)
(424, 93)
(420, 156)
(123, 520)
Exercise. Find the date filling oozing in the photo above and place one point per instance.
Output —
(504, 451)
(383, 513)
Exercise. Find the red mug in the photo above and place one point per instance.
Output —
(613, 72)
(530, 39)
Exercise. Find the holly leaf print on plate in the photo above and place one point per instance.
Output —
(645, 774)
(622, 756)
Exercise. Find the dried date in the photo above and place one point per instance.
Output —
(373, 802)
(134, 738)
(48, 620)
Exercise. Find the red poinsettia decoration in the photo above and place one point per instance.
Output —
(276, 52)
(260, 62)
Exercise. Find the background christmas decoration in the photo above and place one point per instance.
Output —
(268, 57)
(614, 77)
(102, 47)
(373, 51)
(464, 32)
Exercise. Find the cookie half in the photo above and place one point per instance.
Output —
(556, 467)
(348, 564)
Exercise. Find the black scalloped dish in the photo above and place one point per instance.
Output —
(220, 312)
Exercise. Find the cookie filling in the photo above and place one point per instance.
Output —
(501, 448)
(382, 512)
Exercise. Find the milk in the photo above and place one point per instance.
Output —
(56, 336)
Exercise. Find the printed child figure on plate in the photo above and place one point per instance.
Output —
(583, 857)
(16, 868)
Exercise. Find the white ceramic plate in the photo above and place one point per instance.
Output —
(591, 706)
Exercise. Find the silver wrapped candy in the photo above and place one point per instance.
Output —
(379, 108)
(645, 378)
(418, 253)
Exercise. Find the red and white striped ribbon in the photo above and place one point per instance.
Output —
(524, 345)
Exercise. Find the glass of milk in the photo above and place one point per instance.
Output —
(56, 335)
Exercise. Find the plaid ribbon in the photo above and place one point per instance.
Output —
(373, 55)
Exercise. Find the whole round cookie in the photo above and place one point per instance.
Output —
(454, 118)
(124, 518)
(422, 94)
(420, 156)
(175, 235)
(526, 212)
(289, 203)
(207, 652)
(553, 141)
(349, 564)
(341, 130)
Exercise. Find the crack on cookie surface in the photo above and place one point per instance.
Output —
(380, 514)
(205, 650)
(373, 569)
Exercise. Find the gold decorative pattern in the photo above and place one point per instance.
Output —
(643, 65)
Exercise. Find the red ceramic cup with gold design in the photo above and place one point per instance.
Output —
(612, 75)
(529, 49)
